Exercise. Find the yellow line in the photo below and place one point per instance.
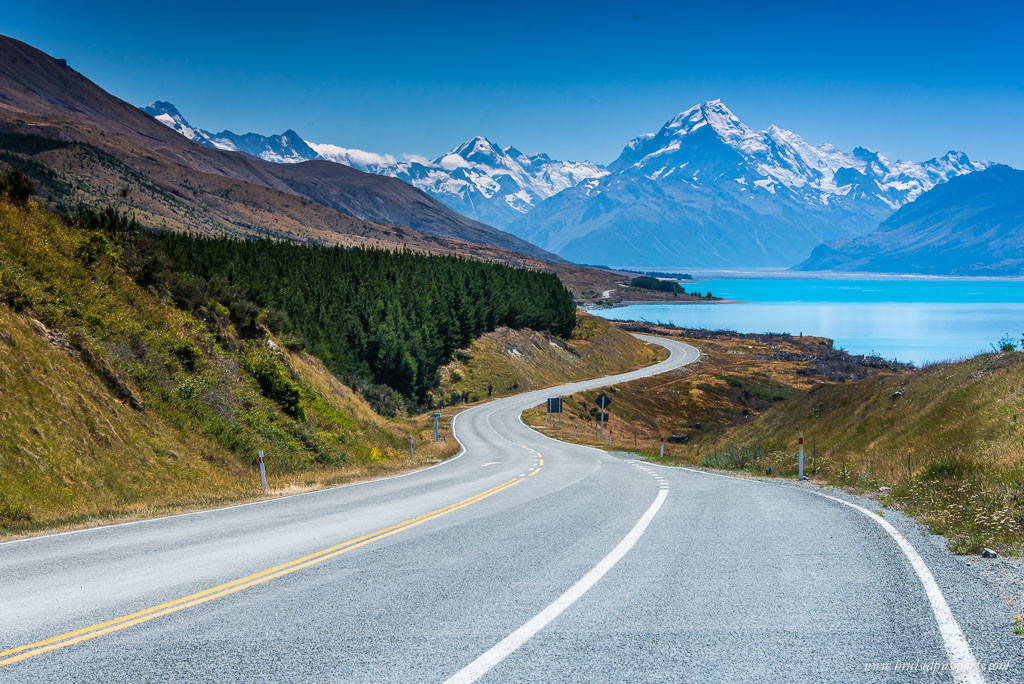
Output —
(540, 462)
(532, 472)
(99, 629)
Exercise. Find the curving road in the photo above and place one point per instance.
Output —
(522, 559)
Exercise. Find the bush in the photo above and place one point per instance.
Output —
(732, 458)
(947, 468)
(274, 381)
(188, 354)
(16, 186)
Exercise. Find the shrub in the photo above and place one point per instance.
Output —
(946, 468)
(188, 354)
(274, 381)
(16, 186)
(1006, 344)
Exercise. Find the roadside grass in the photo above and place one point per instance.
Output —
(735, 379)
(510, 361)
(115, 403)
(946, 442)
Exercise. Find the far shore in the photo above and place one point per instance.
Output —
(691, 302)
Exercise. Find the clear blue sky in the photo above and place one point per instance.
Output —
(909, 79)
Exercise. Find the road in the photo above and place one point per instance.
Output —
(523, 559)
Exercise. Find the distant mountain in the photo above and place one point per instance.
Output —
(478, 178)
(496, 185)
(82, 144)
(706, 190)
(972, 225)
(287, 148)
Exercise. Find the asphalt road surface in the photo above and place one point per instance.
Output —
(522, 559)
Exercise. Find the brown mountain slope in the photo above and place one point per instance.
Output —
(43, 96)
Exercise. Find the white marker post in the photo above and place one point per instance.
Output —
(412, 451)
(263, 473)
(802, 455)
(575, 429)
(663, 447)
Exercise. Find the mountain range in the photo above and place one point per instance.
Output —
(971, 226)
(705, 190)
(287, 148)
(82, 144)
(478, 178)
(708, 191)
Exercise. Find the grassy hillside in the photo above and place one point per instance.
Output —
(510, 361)
(948, 440)
(736, 378)
(115, 402)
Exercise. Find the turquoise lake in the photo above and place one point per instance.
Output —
(917, 321)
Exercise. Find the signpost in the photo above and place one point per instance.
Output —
(437, 432)
(555, 406)
(604, 402)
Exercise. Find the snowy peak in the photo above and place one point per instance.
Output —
(168, 115)
(479, 150)
(709, 143)
(479, 178)
(289, 147)
(491, 183)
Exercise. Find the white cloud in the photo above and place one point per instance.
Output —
(359, 159)
(454, 161)
(418, 158)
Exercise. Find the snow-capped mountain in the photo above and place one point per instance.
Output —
(478, 179)
(287, 148)
(495, 185)
(973, 225)
(706, 190)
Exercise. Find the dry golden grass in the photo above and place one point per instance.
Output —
(947, 440)
(513, 361)
(725, 387)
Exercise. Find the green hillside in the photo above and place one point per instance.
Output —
(127, 387)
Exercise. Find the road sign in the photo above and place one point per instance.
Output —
(555, 405)
(603, 417)
(603, 400)
(437, 432)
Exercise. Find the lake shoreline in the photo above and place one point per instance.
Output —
(914, 320)
(591, 308)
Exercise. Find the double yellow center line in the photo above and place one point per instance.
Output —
(14, 655)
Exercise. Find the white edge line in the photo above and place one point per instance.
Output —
(497, 653)
(963, 665)
(98, 528)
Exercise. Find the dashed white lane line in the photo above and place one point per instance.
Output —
(497, 653)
